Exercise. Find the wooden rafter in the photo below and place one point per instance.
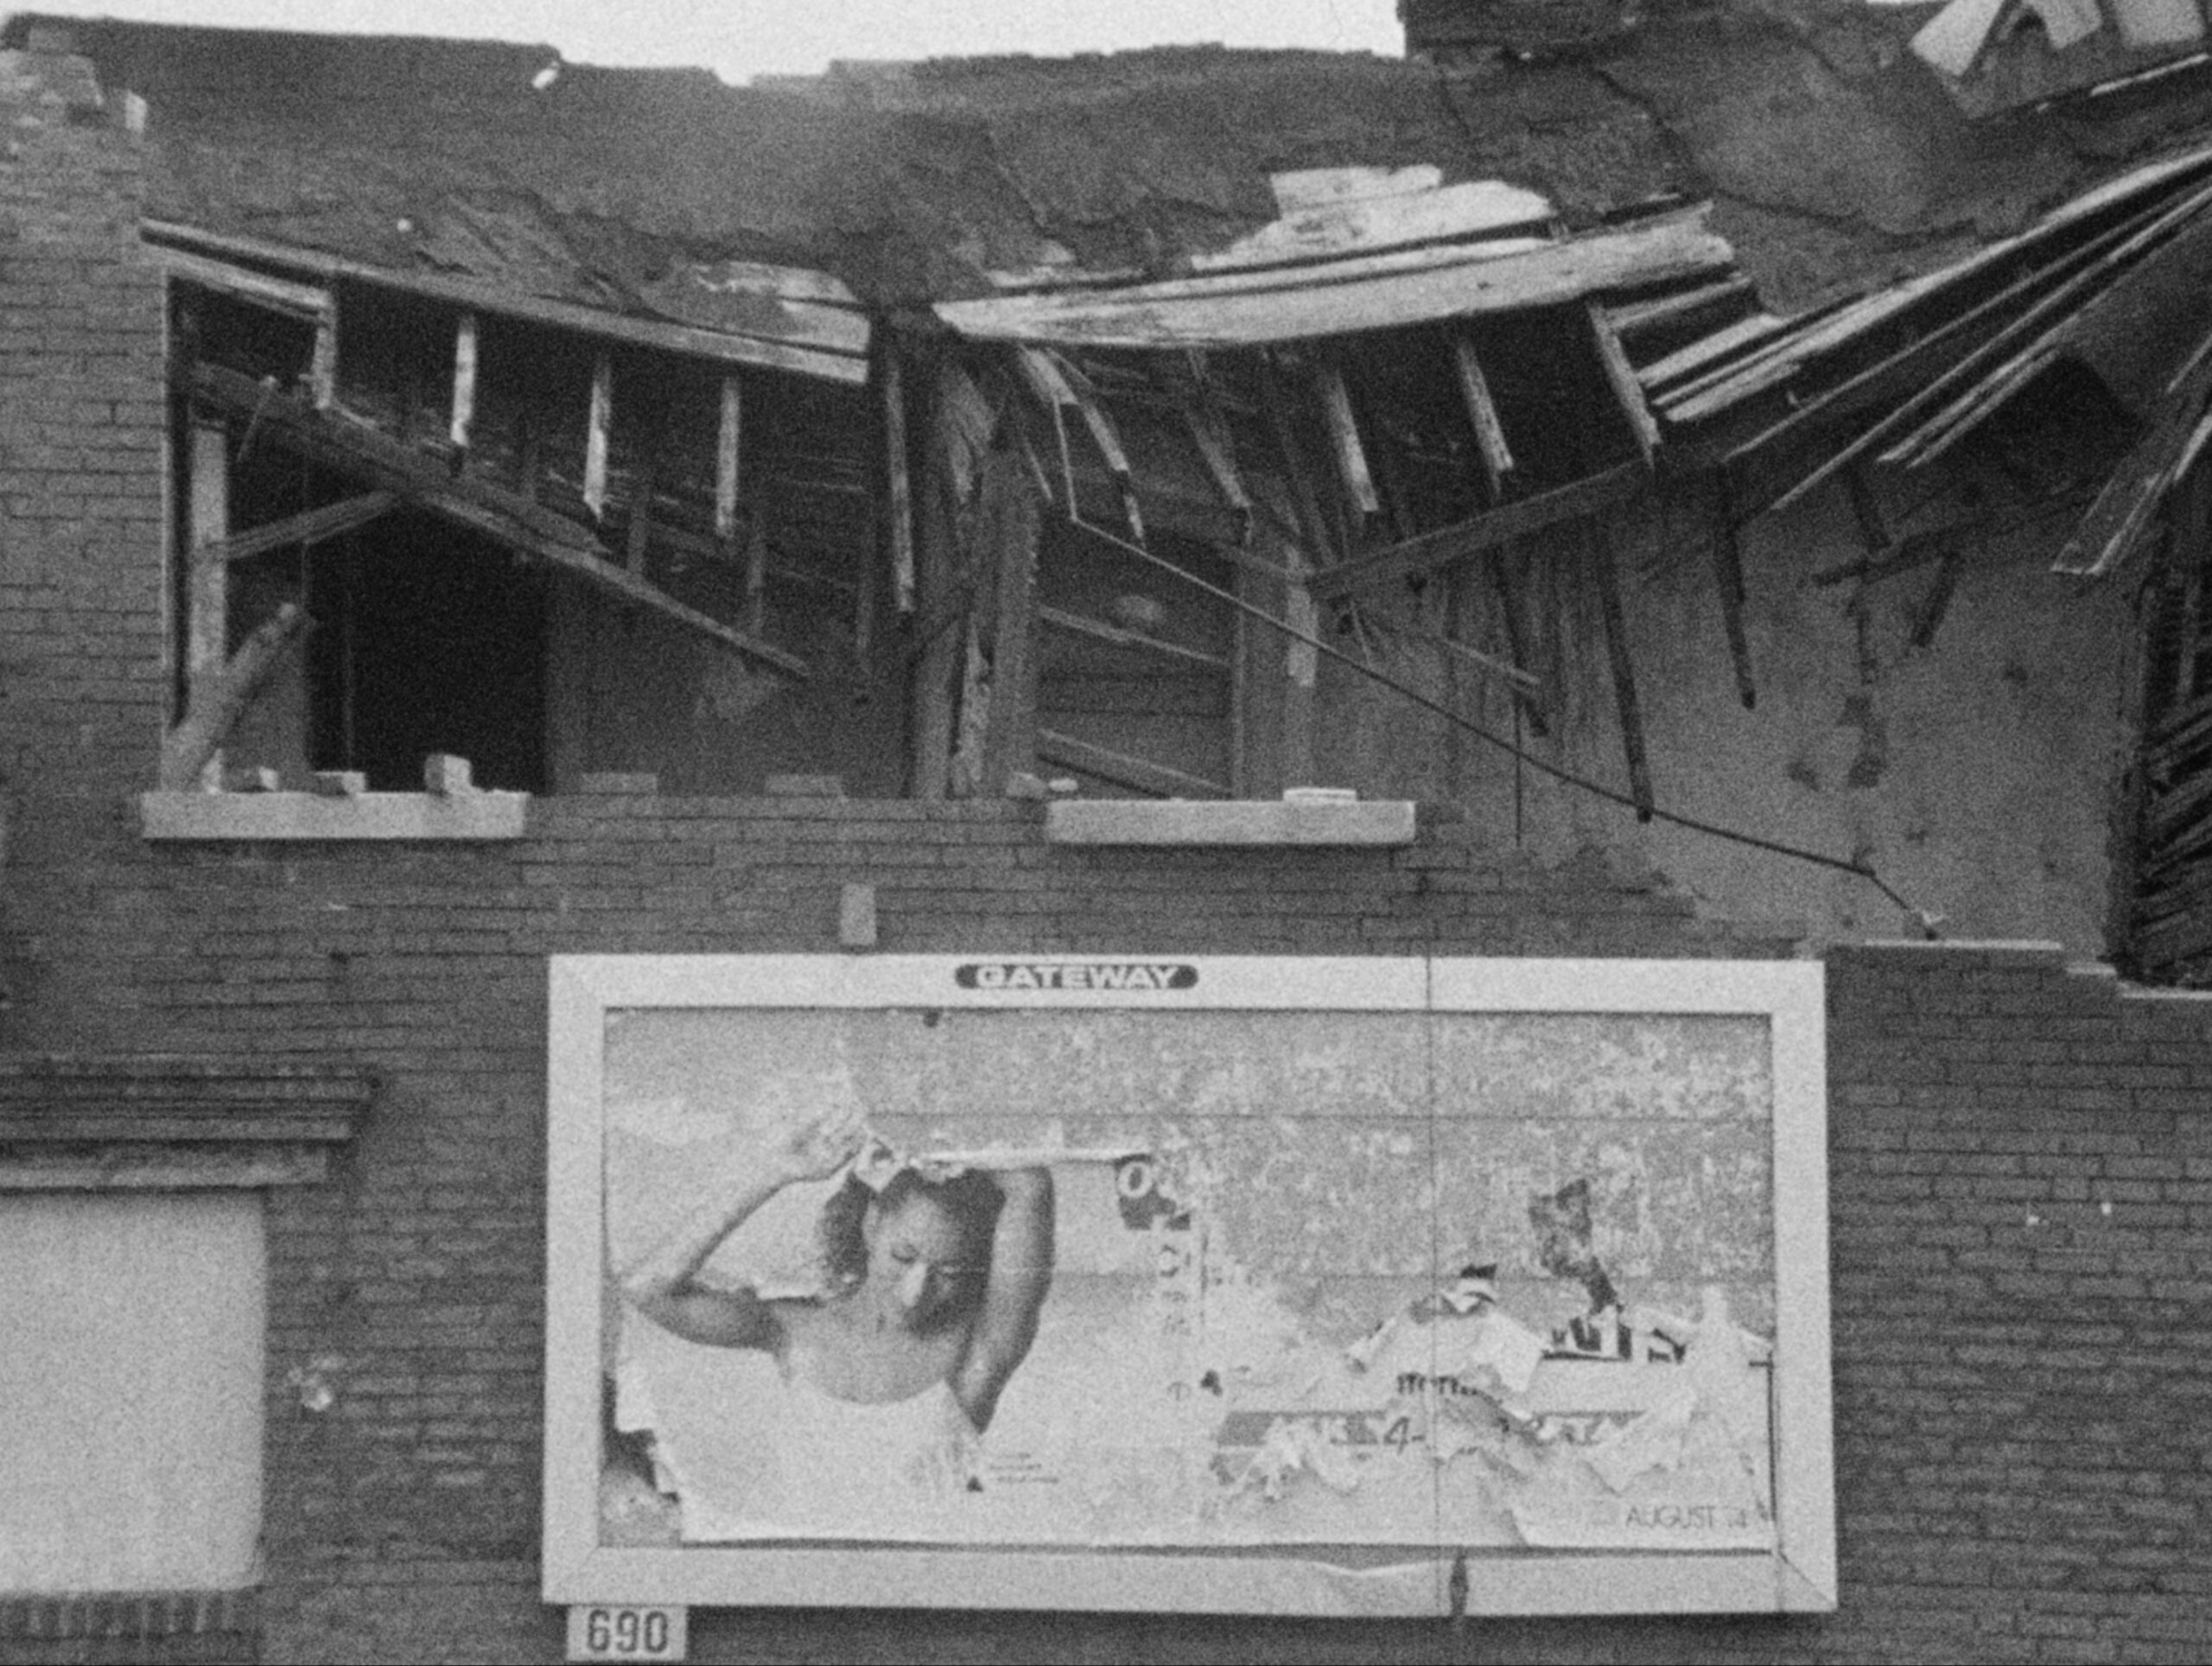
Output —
(221, 694)
(1464, 539)
(308, 526)
(1630, 708)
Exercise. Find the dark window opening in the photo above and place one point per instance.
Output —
(427, 640)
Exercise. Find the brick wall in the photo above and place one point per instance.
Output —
(2019, 1374)
(83, 413)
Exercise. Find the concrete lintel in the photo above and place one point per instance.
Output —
(1232, 822)
(480, 817)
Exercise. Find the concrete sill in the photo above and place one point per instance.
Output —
(1234, 822)
(474, 815)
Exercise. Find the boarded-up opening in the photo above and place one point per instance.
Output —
(131, 1384)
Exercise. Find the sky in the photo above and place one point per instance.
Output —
(738, 39)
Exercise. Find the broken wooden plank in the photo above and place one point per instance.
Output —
(1007, 539)
(756, 575)
(1728, 583)
(1104, 435)
(1482, 414)
(2127, 506)
(221, 694)
(1385, 291)
(1622, 483)
(308, 526)
(1700, 355)
(323, 366)
(1124, 769)
(1605, 571)
(1040, 372)
(207, 527)
(637, 537)
(728, 434)
(1633, 317)
(506, 518)
(1628, 392)
(899, 490)
(1099, 630)
(599, 425)
(293, 299)
(464, 381)
(1294, 466)
(2006, 338)
(1771, 366)
(1337, 414)
(1317, 230)
(941, 603)
(1210, 434)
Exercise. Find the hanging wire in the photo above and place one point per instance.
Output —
(1857, 867)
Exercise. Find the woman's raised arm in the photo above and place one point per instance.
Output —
(663, 1286)
(1014, 1294)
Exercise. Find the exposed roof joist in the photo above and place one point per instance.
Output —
(826, 339)
(505, 516)
(1466, 539)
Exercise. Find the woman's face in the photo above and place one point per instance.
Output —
(917, 1251)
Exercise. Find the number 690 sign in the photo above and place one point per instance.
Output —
(606, 1632)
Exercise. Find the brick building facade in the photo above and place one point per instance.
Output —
(353, 1033)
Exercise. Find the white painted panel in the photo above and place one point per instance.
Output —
(130, 1385)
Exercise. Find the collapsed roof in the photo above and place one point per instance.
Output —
(1836, 156)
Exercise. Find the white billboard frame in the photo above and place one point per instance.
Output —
(1798, 1574)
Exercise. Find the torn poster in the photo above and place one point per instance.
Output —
(1075, 1276)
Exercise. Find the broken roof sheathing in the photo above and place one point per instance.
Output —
(1835, 157)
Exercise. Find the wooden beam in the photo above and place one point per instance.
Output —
(756, 574)
(1210, 434)
(1728, 583)
(2127, 506)
(900, 489)
(207, 576)
(1098, 630)
(826, 339)
(1352, 472)
(1124, 769)
(464, 382)
(936, 662)
(286, 296)
(308, 526)
(599, 423)
(1482, 414)
(1054, 379)
(1621, 483)
(322, 368)
(1628, 392)
(1606, 573)
(639, 536)
(505, 516)
(221, 697)
(728, 438)
(1008, 531)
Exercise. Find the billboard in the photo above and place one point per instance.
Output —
(1282, 1286)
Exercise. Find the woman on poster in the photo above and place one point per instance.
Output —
(889, 1378)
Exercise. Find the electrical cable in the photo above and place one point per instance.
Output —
(1856, 867)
